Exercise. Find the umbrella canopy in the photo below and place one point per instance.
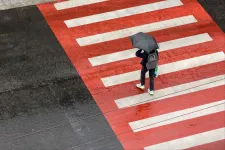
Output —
(144, 41)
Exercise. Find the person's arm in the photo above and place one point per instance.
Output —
(139, 54)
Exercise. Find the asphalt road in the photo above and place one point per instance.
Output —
(9, 4)
(43, 102)
(216, 9)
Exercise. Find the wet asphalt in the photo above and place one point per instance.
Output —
(8, 4)
(44, 104)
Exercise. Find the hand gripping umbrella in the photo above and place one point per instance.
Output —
(144, 41)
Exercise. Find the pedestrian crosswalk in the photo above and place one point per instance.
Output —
(171, 91)
(74, 3)
(191, 141)
(169, 118)
(188, 103)
(122, 13)
(166, 68)
(167, 45)
(113, 35)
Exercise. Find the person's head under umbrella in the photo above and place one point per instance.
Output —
(147, 46)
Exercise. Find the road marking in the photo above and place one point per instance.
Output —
(108, 36)
(171, 92)
(75, 3)
(191, 141)
(177, 116)
(122, 13)
(163, 46)
(166, 68)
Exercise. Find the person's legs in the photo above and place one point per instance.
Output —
(151, 81)
(143, 72)
(151, 84)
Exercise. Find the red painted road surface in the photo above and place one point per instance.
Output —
(155, 130)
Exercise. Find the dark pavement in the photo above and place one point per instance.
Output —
(44, 104)
(216, 9)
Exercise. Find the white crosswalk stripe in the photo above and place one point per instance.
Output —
(75, 3)
(122, 13)
(191, 141)
(177, 116)
(171, 91)
(113, 35)
(166, 68)
(163, 46)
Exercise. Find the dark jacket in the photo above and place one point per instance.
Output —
(144, 56)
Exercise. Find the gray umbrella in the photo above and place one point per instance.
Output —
(144, 41)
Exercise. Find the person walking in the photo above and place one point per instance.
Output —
(152, 72)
